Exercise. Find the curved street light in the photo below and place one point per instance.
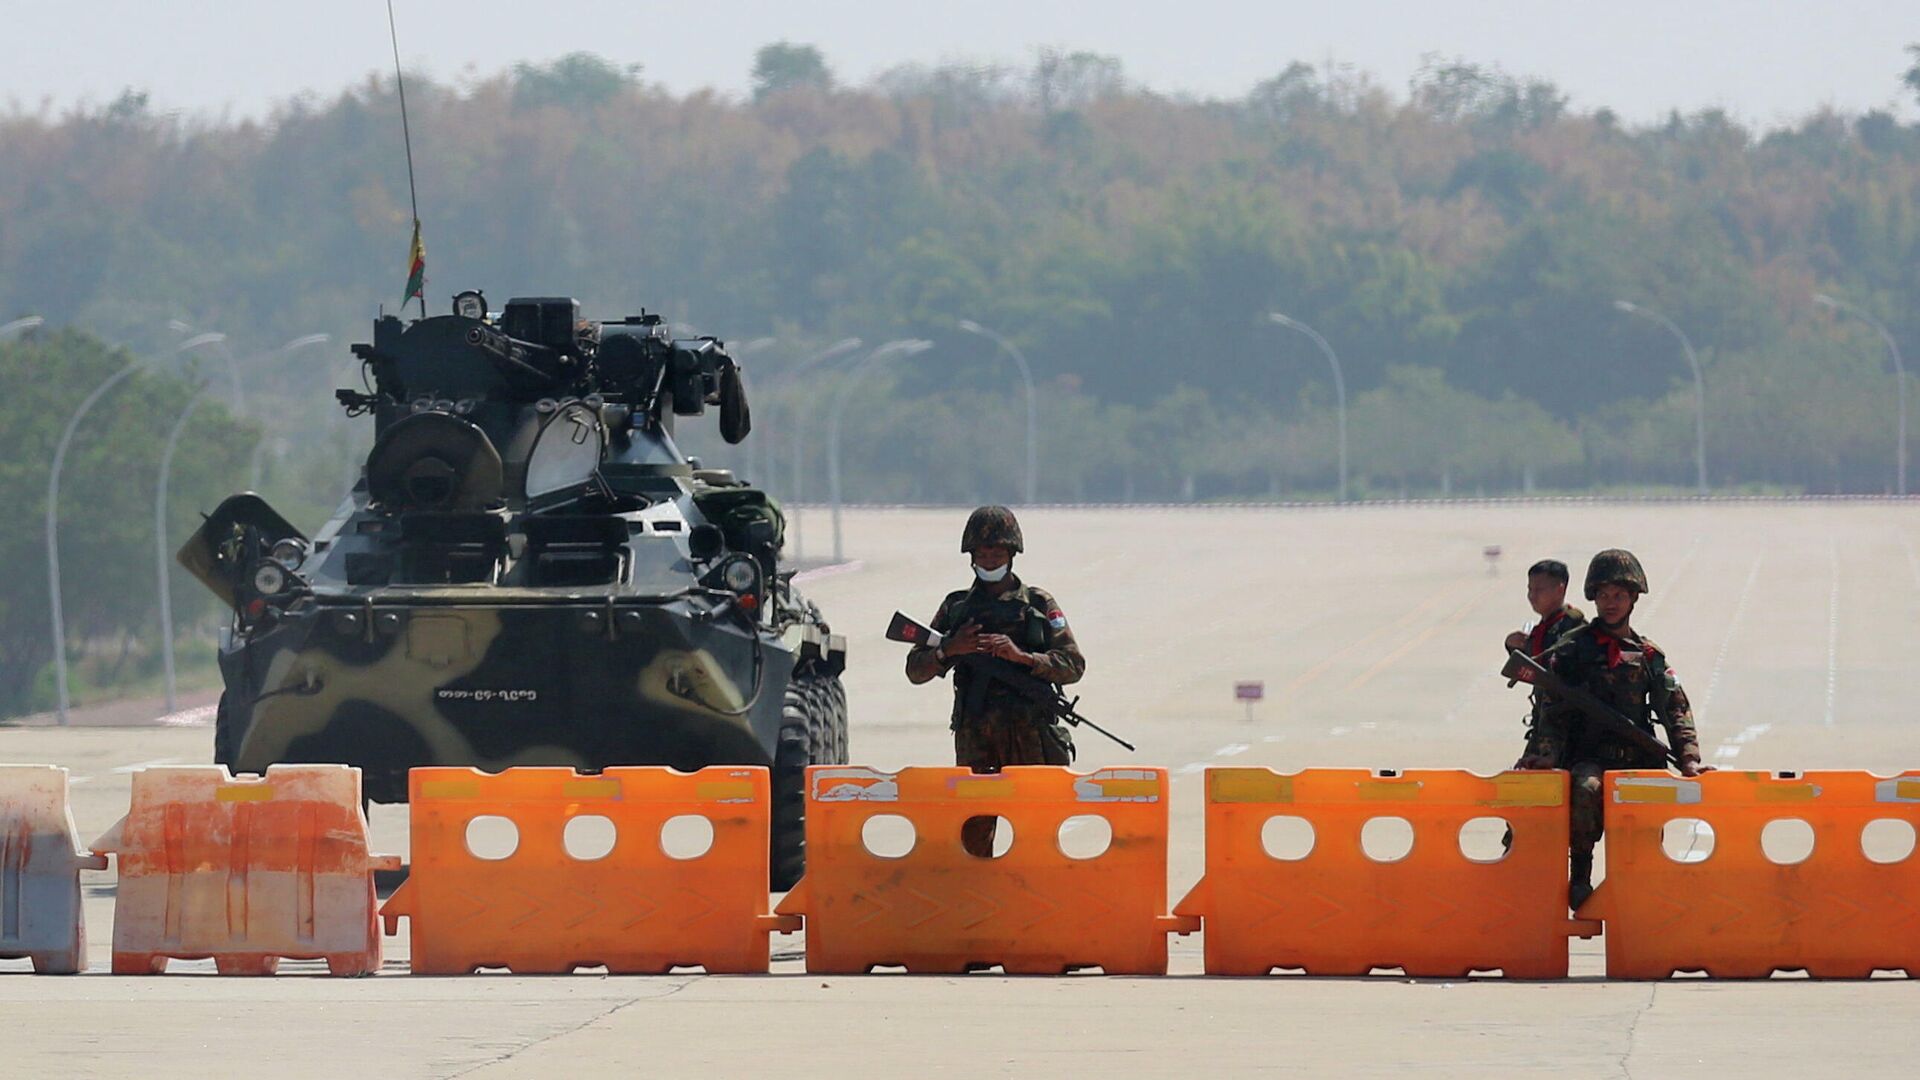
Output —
(900, 347)
(799, 455)
(161, 563)
(53, 530)
(1899, 372)
(16, 327)
(1339, 386)
(260, 448)
(1026, 377)
(1699, 387)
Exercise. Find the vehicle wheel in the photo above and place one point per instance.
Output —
(792, 754)
(837, 693)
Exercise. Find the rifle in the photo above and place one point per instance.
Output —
(1523, 668)
(986, 669)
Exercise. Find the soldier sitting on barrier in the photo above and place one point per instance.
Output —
(1002, 617)
(1621, 681)
(1547, 595)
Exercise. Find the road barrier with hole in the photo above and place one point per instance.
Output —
(1338, 910)
(246, 870)
(40, 864)
(1032, 910)
(1739, 913)
(548, 907)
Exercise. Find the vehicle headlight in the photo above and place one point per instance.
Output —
(290, 552)
(741, 575)
(269, 578)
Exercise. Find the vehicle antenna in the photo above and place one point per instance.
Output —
(417, 254)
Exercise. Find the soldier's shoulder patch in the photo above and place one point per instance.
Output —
(1056, 618)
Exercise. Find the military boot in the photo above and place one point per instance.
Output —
(1580, 879)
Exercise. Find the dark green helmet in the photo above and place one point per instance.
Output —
(992, 526)
(1616, 566)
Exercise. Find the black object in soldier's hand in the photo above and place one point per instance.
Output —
(1523, 668)
(990, 669)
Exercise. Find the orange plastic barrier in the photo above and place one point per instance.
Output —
(246, 870)
(1032, 910)
(40, 914)
(634, 909)
(1736, 913)
(1338, 911)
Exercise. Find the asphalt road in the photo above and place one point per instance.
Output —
(1377, 634)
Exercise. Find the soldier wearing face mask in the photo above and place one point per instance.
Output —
(1000, 616)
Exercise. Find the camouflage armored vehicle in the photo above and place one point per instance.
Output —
(528, 572)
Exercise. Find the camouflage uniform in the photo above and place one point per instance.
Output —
(993, 727)
(1547, 633)
(1629, 672)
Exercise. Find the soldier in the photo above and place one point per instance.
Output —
(1547, 595)
(1003, 617)
(1623, 669)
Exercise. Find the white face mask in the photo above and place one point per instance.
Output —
(992, 577)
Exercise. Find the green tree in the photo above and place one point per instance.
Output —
(784, 66)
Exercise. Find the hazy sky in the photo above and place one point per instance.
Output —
(1764, 61)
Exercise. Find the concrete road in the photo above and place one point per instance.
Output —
(1377, 634)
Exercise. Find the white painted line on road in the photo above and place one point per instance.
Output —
(829, 570)
(1232, 749)
(1733, 627)
(1369, 725)
(138, 765)
(1336, 732)
(1833, 630)
(1686, 563)
(197, 717)
(1730, 747)
(72, 780)
(1272, 738)
(1190, 768)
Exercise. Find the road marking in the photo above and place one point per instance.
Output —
(1190, 768)
(1731, 746)
(196, 717)
(1419, 639)
(1686, 563)
(1733, 627)
(1232, 749)
(71, 780)
(1320, 668)
(1339, 731)
(138, 765)
(1272, 738)
(829, 570)
(1833, 630)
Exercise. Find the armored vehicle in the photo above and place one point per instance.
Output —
(528, 571)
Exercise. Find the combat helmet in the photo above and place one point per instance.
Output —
(991, 526)
(1615, 566)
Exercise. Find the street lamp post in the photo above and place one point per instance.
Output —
(834, 351)
(9, 330)
(260, 448)
(1699, 387)
(1026, 377)
(1339, 387)
(901, 347)
(161, 563)
(53, 531)
(1899, 372)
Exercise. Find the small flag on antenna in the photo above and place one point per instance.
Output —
(416, 267)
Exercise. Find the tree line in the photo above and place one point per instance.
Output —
(1461, 244)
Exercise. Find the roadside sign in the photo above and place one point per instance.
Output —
(1248, 693)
